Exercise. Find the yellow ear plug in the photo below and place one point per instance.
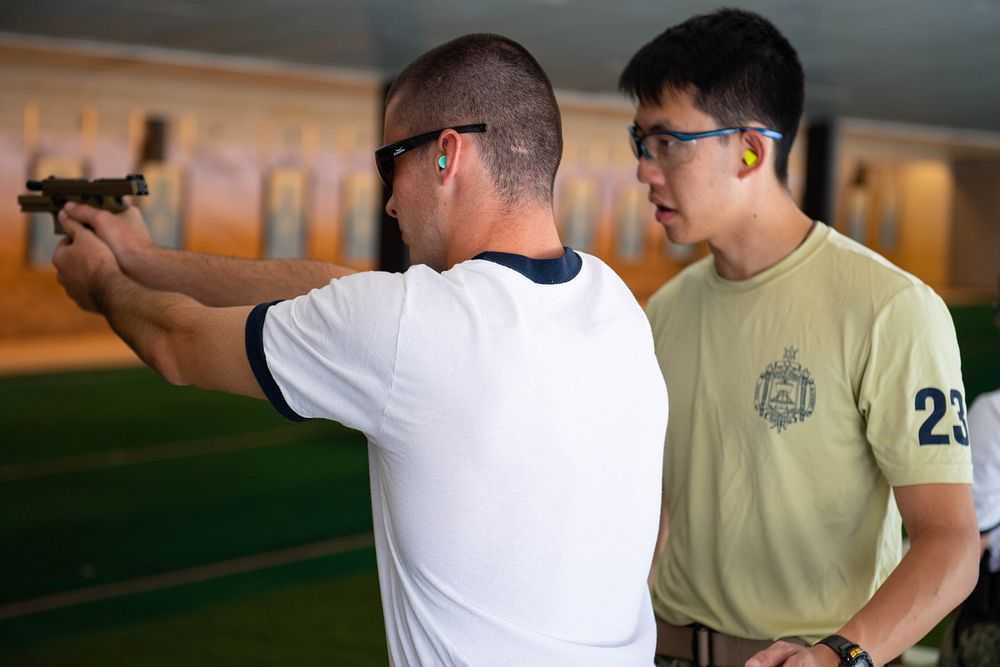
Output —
(749, 158)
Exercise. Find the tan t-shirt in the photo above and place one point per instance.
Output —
(797, 398)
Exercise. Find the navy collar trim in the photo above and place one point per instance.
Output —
(541, 271)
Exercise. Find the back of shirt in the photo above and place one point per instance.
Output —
(516, 414)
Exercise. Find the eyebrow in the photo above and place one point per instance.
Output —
(652, 129)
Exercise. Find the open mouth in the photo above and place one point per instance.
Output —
(663, 214)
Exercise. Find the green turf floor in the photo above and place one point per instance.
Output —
(320, 612)
(113, 475)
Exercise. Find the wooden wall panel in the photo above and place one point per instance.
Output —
(229, 127)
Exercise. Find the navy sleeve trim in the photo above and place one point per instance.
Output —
(258, 362)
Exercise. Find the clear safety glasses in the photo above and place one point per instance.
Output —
(670, 148)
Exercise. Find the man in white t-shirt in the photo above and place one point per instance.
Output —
(507, 386)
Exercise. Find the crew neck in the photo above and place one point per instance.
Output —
(817, 235)
(553, 271)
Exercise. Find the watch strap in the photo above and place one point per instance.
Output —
(848, 651)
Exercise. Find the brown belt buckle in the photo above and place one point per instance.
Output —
(701, 645)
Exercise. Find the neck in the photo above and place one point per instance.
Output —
(763, 236)
(528, 230)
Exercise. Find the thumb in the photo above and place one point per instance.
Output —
(70, 225)
(773, 655)
(91, 217)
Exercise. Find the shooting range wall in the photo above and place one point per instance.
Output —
(253, 159)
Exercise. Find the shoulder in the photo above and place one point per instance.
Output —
(363, 283)
(593, 263)
(874, 283)
(601, 293)
(363, 308)
(421, 281)
(594, 268)
(917, 307)
(858, 265)
(352, 294)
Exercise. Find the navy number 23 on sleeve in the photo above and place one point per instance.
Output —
(939, 407)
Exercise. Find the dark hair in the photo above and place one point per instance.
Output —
(485, 78)
(737, 66)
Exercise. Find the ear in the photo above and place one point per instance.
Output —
(753, 153)
(449, 155)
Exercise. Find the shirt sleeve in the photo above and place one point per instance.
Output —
(330, 353)
(984, 435)
(911, 394)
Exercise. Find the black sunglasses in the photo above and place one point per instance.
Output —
(385, 156)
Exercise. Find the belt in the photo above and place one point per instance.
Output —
(705, 647)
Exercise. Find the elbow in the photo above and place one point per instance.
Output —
(174, 349)
(165, 356)
(971, 553)
(964, 561)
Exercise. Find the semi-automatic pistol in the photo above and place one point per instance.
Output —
(105, 193)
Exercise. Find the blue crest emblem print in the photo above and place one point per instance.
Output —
(786, 393)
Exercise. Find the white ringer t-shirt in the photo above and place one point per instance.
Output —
(515, 415)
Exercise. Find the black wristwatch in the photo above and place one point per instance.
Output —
(851, 655)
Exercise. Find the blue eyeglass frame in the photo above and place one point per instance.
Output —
(640, 151)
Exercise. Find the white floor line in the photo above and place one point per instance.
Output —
(285, 435)
(187, 575)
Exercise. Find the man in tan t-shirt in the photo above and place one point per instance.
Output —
(814, 387)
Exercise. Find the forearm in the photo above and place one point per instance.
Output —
(214, 280)
(211, 280)
(935, 575)
(183, 340)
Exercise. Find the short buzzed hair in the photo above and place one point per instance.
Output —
(486, 78)
(738, 67)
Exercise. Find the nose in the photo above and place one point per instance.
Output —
(390, 206)
(648, 172)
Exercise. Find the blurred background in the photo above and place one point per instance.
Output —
(146, 523)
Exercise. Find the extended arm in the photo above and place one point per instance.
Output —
(935, 575)
(185, 341)
(210, 279)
